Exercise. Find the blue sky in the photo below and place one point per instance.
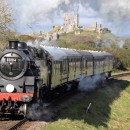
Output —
(33, 16)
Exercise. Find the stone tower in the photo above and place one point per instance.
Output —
(77, 21)
(69, 23)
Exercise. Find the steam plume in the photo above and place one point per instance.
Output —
(38, 111)
(90, 83)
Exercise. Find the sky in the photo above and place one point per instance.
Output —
(35, 15)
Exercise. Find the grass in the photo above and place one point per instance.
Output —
(110, 110)
(86, 40)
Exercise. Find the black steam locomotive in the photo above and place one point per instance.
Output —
(28, 73)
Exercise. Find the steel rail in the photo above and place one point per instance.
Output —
(18, 125)
(120, 75)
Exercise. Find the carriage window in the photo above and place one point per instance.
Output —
(82, 64)
(54, 70)
(56, 66)
(86, 64)
(64, 66)
(95, 64)
(89, 64)
(74, 64)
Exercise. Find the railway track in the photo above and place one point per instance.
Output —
(23, 124)
(26, 124)
(120, 75)
(11, 123)
(18, 124)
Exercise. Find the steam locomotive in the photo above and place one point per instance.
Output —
(28, 74)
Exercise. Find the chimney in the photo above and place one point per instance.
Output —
(96, 25)
(100, 26)
(13, 44)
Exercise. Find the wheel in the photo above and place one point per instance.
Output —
(25, 110)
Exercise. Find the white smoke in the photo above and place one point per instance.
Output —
(90, 83)
(35, 44)
(29, 12)
(38, 42)
(39, 111)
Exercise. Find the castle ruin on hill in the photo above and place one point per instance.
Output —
(71, 24)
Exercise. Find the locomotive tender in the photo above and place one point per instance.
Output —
(28, 73)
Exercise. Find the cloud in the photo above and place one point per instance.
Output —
(113, 12)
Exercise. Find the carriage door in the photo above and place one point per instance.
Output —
(49, 73)
(83, 66)
(64, 71)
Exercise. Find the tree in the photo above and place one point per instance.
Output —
(5, 19)
(106, 30)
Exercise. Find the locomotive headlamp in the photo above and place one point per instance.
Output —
(10, 88)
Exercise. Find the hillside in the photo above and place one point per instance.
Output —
(90, 40)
